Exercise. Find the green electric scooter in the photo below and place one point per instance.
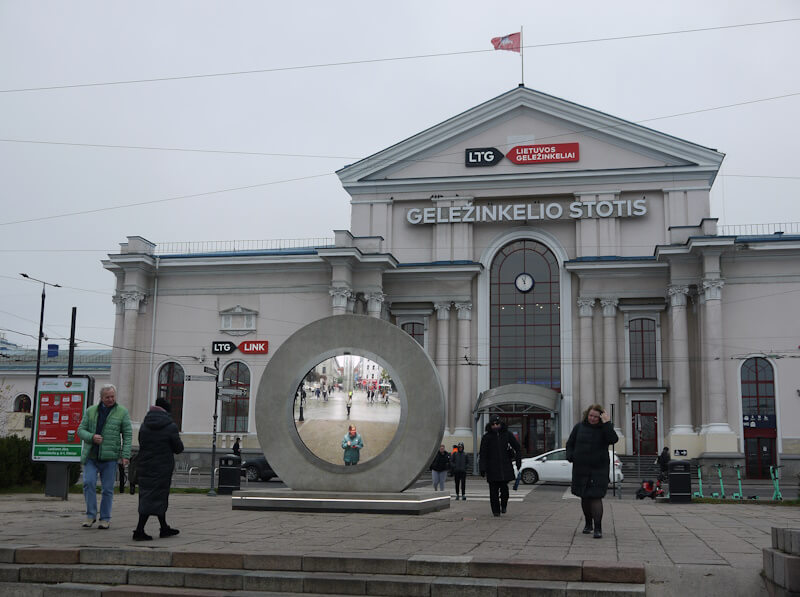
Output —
(721, 493)
(773, 474)
(699, 493)
(740, 495)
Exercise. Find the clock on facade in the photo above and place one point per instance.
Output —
(524, 282)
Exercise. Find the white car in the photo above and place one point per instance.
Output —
(554, 466)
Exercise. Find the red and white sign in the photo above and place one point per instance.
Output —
(254, 347)
(544, 154)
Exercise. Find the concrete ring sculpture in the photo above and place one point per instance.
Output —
(422, 415)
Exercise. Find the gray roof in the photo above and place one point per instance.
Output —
(25, 360)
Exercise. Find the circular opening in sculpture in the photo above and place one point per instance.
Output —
(342, 391)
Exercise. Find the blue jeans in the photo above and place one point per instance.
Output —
(439, 478)
(108, 475)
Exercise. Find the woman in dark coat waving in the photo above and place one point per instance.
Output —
(159, 441)
(587, 450)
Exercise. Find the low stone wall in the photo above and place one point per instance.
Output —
(782, 562)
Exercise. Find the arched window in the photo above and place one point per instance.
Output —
(22, 404)
(235, 412)
(170, 388)
(526, 320)
(758, 416)
(416, 331)
(642, 340)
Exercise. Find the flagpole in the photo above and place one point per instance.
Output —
(522, 54)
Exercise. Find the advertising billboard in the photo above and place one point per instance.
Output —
(60, 404)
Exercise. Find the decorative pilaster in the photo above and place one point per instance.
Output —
(611, 358)
(443, 350)
(131, 300)
(339, 298)
(464, 395)
(717, 421)
(680, 388)
(586, 360)
(375, 303)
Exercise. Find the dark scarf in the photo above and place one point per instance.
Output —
(102, 414)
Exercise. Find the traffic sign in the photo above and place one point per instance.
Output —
(211, 370)
(231, 392)
(200, 378)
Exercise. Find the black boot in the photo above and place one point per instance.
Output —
(588, 528)
(141, 536)
(168, 532)
(598, 530)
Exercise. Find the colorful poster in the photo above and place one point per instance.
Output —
(60, 403)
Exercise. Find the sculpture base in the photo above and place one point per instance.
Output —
(289, 500)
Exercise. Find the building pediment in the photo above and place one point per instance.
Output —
(603, 146)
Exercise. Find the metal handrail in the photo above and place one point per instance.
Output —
(237, 246)
(759, 229)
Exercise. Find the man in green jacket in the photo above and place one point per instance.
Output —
(101, 429)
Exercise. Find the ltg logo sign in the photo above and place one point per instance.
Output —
(248, 347)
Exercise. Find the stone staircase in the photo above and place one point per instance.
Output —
(141, 572)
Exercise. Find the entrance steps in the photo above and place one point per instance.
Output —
(39, 572)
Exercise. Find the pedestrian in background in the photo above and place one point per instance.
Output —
(663, 463)
(237, 450)
(352, 445)
(499, 448)
(107, 436)
(458, 463)
(159, 441)
(439, 468)
(587, 450)
(349, 405)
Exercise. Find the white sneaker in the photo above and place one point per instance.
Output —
(88, 522)
(104, 524)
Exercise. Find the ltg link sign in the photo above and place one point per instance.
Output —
(248, 347)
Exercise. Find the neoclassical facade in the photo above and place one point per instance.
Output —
(547, 256)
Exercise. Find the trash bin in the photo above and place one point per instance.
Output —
(230, 468)
(680, 481)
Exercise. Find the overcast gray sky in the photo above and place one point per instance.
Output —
(339, 81)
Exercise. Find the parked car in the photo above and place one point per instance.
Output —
(256, 468)
(554, 466)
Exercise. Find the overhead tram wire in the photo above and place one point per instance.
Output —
(395, 58)
(408, 160)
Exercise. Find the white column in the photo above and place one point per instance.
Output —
(464, 395)
(119, 327)
(375, 303)
(339, 296)
(586, 361)
(611, 359)
(443, 350)
(680, 388)
(717, 421)
(125, 390)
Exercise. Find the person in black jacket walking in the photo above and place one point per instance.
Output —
(587, 450)
(439, 468)
(159, 441)
(458, 463)
(499, 448)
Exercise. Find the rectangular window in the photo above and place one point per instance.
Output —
(642, 340)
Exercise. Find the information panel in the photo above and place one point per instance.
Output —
(60, 404)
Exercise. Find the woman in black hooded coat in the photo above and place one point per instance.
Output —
(159, 441)
(587, 450)
(499, 449)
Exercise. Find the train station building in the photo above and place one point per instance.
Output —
(546, 256)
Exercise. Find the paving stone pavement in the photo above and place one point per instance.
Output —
(678, 542)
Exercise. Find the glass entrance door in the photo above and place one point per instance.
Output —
(759, 453)
(644, 425)
(536, 433)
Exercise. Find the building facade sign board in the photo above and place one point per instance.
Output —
(544, 154)
(523, 212)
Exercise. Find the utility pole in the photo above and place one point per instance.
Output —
(211, 491)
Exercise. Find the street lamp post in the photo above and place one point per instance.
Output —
(39, 347)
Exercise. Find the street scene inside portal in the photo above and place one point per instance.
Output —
(347, 399)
